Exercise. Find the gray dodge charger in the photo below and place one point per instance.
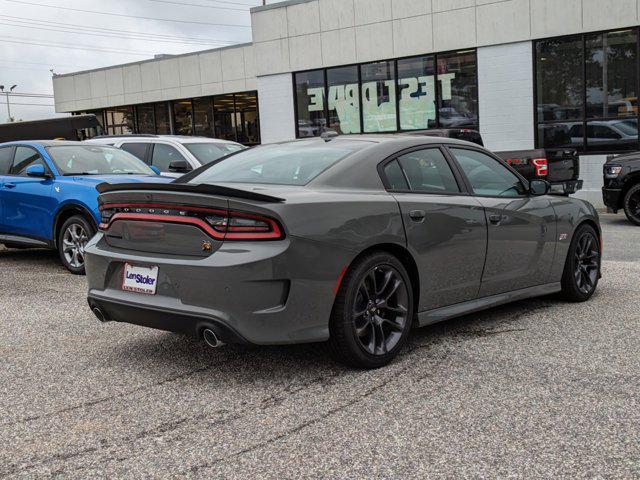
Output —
(348, 240)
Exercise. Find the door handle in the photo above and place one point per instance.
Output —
(496, 219)
(10, 185)
(417, 215)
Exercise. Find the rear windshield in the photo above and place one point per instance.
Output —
(96, 160)
(288, 164)
(206, 153)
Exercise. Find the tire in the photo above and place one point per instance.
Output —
(369, 334)
(631, 204)
(582, 267)
(73, 237)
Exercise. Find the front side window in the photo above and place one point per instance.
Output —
(285, 164)
(6, 158)
(164, 155)
(310, 103)
(428, 171)
(486, 175)
(96, 160)
(24, 158)
(587, 92)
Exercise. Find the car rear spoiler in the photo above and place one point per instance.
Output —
(188, 188)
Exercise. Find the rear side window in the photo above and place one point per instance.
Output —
(6, 157)
(136, 149)
(164, 155)
(395, 177)
(23, 158)
(428, 171)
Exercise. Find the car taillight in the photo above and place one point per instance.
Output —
(242, 226)
(219, 224)
(542, 166)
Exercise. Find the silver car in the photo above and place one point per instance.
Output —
(172, 155)
(347, 240)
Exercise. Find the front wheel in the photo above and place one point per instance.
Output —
(74, 236)
(632, 204)
(373, 312)
(582, 267)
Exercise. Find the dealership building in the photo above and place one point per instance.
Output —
(525, 73)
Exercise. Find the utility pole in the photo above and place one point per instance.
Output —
(7, 94)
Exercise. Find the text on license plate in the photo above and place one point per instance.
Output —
(140, 279)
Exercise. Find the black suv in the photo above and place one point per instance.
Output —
(621, 189)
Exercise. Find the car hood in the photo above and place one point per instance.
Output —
(114, 179)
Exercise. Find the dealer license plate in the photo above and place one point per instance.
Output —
(140, 279)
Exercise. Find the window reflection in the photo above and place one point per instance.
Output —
(203, 117)
(310, 103)
(457, 84)
(225, 122)
(162, 119)
(183, 117)
(145, 115)
(378, 97)
(119, 120)
(344, 99)
(417, 91)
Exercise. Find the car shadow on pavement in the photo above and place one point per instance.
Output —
(161, 351)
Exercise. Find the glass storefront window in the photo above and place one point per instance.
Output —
(203, 117)
(458, 90)
(343, 99)
(379, 97)
(223, 114)
(310, 103)
(183, 117)
(119, 120)
(417, 92)
(611, 84)
(600, 68)
(162, 119)
(247, 123)
(145, 115)
(560, 89)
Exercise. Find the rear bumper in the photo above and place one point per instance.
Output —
(263, 293)
(566, 188)
(612, 198)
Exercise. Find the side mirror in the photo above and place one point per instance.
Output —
(180, 166)
(156, 170)
(36, 171)
(539, 187)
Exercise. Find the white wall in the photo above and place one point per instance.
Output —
(275, 99)
(305, 34)
(505, 96)
(210, 72)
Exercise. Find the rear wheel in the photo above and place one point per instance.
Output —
(74, 236)
(632, 204)
(373, 312)
(582, 267)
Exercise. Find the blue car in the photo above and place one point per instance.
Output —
(48, 195)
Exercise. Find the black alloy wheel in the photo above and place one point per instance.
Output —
(582, 267)
(380, 310)
(632, 204)
(372, 313)
(587, 264)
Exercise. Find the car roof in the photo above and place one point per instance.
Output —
(176, 138)
(43, 143)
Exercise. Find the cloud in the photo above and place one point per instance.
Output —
(28, 65)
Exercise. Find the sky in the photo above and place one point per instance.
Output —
(39, 35)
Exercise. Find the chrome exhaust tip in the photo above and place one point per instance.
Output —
(97, 311)
(211, 339)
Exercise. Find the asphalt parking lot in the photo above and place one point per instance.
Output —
(536, 389)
